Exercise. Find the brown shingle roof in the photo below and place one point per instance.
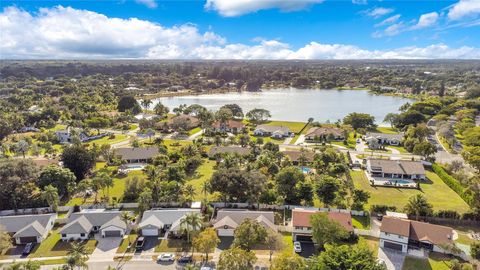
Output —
(230, 124)
(228, 150)
(301, 218)
(191, 120)
(324, 131)
(416, 230)
(294, 155)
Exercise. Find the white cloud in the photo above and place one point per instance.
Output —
(388, 20)
(378, 12)
(63, 32)
(148, 3)
(464, 8)
(232, 8)
(427, 20)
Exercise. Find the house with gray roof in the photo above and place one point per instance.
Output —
(396, 169)
(28, 228)
(228, 220)
(136, 154)
(156, 222)
(277, 132)
(83, 225)
(375, 139)
(220, 150)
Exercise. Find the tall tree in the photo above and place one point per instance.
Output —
(249, 234)
(287, 182)
(61, 178)
(327, 189)
(359, 120)
(50, 195)
(161, 110)
(258, 115)
(206, 241)
(325, 230)
(274, 241)
(288, 261)
(5, 240)
(191, 222)
(418, 206)
(236, 259)
(78, 159)
(128, 103)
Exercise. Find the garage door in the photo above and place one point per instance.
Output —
(304, 238)
(225, 232)
(112, 233)
(26, 240)
(391, 245)
(150, 232)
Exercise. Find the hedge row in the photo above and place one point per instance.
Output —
(452, 183)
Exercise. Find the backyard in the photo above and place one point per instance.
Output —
(436, 261)
(436, 192)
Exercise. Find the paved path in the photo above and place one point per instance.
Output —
(393, 259)
(194, 136)
(300, 140)
(106, 249)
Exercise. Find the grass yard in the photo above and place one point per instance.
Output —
(204, 172)
(53, 246)
(361, 222)
(194, 130)
(400, 149)
(295, 127)
(106, 140)
(372, 243)
(387, 130)
(436, 192)
(125, 242)
(172, 245)
(175, 144)
(436, 261)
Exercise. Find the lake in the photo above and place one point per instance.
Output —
(298, 104)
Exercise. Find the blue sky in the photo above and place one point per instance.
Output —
(240, 29)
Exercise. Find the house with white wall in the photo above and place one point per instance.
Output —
(28, 228)
(157, 222)
(83, 225)
(228, 220)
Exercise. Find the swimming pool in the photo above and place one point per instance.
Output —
(133, 167)
(401, 182)
(306, 170)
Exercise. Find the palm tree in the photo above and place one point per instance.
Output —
(146, 103)
(50, 195)
(77, 256)
(190, 223)
(205, 189)
(418, 205)
(189, 192)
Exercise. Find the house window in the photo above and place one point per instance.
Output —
(387, 234)
(82, 234)
(64, 235)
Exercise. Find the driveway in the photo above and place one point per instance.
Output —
(300, 140)
(393, 259)
(308, 249)
(106, 248)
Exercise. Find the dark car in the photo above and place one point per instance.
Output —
(140, 243)
(28, 248)
(185, 259)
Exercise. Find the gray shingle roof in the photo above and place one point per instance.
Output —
(116, 222)
(79, 225)
(228, 149)
(137, 152)
(377, 135)
(231, 217)
(13, 224)
(398, 166)
(272, 129)
(160, 217)
(83, 222)
(34, 229)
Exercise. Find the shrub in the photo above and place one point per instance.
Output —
(452, 183)
(382, 209)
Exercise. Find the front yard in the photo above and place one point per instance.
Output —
(53, 246)
(436, 192)
(436, 261)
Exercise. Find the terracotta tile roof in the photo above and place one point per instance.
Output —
(301, 218)
(416, 230)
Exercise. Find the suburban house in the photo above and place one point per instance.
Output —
(324, 133)
(66, 136)
(228, 220)
(183, 121)
(28, 228)
(401, 234)
(232, 126)
(296, 156)
(277, 132)
(136, 154)
(376, 139)
(156, 222)
(218, 150)
(399, 169)
(83, 225)
(302, 230)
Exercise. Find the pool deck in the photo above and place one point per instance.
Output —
(390, 182)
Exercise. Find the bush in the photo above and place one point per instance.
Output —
(382, 209)
(452, 183)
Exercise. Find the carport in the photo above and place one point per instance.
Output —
(27, 239)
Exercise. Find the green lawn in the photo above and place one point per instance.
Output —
(175, 144)
(53, 246)
(436, 261)
(361, 222)
(204, 173)
(107, 140)
(372, 243)
(386, 130)
(125, 242)
(194, 130)
(295, 127)
(436, 192)
(172, 245)
(401, 149)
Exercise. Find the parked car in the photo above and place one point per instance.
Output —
(297, 247)
(140, 243)
(185, 259)
(28, 248)
(166, 257)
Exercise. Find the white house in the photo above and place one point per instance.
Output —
(272, 131)
(83, 225)
(382, 139)
(396, 169)
(401, 234)
(28, 228)
(155, 222)
(66, 136)
(228, 220)
(302, 229)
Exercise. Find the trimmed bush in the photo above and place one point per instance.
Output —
(452, 183)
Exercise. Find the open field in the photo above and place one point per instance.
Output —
(386, 130)
(204, 172)
(436, 192)
(106, 140)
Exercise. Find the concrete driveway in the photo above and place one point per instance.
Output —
(393, 259)
(106, 248)
(308, 249)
